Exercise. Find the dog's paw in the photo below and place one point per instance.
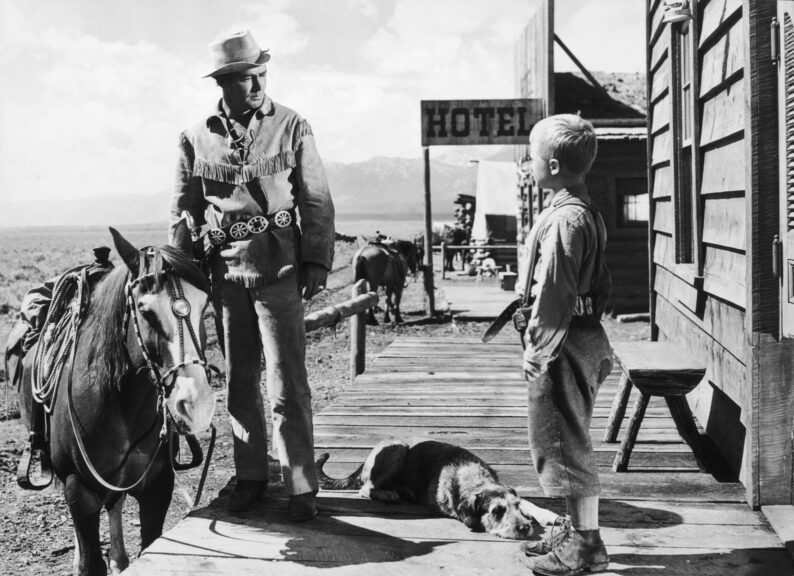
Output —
(542, 516)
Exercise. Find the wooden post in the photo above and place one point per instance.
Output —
(358, 334)
(443, 260)
(428, 263)
(618, 410)
(621, 462)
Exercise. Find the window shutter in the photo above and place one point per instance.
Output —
(786, 123)
(788, 96)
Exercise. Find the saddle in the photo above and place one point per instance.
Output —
(50, 315)
(398, 260)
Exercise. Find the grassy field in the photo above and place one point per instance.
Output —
(30, 256)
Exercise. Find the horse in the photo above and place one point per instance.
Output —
(453, 236)
(450, 234)
(380, 265)
(137, 361)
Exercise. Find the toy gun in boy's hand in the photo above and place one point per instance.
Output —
(519, 310)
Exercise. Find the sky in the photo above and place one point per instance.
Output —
(96, 92)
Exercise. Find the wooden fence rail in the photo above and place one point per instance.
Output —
(356, 308)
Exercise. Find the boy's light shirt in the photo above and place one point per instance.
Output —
(564, 269)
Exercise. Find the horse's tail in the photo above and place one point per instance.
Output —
(352, 482)
(359, 267)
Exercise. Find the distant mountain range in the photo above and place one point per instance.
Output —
(381, 188)
(394, 187)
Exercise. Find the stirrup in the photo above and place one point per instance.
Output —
(26, 463)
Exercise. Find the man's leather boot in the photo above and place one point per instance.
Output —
(550, 540)
(577, 552)
(302, 507)
(246, 494)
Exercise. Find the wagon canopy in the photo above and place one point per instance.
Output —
(497, 206)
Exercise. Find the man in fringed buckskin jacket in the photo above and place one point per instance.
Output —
(251, 177)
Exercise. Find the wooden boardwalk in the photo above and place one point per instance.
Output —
(662, 517)
(470, 299)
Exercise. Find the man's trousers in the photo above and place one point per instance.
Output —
(269, 320)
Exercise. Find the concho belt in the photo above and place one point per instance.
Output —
(245, 228)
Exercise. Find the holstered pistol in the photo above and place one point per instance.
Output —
(521, 319)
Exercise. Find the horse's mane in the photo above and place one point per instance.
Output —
(104, 330)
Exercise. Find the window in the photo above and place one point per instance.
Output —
(632, 202)
(686, 84)
(685, 208)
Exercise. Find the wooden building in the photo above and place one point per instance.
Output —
(721, 197)
(618, 179)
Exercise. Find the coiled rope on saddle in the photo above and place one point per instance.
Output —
(57, 337)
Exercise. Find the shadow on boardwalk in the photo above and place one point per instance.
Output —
(355, 536)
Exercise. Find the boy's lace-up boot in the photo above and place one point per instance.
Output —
(576, 553)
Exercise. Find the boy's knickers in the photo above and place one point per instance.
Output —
(560, 409)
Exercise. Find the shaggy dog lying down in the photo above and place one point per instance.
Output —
(448, 479)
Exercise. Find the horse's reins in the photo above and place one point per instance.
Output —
(180, 307)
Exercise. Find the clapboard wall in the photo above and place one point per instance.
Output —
(716, 291)
(701, 302)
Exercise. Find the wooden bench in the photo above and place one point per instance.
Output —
(656, 369)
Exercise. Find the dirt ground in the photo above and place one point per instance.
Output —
(35, 529)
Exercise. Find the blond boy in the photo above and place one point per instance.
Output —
(567, 354)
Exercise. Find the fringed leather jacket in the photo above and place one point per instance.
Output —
(227, 174)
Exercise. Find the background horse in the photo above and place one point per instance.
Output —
(451, 235)
(381, 266)
(144, 320)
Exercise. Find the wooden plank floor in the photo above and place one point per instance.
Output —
(662, 517)
(471, 299)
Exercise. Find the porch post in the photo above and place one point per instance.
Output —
(428, 262)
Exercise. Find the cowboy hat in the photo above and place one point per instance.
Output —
(236, 52)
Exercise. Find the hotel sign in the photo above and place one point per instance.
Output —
(474, 122)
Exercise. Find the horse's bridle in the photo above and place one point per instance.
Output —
(180, 307)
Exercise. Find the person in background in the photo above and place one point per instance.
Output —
(245, 174)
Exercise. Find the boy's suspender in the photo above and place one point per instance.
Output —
(573, 201)
(520, 308)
